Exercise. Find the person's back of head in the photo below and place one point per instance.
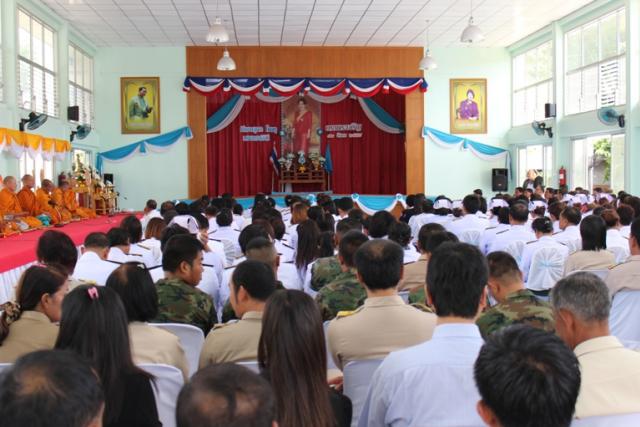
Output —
(425, 231)
(610, 217)
(226, 395)
(55, 247)
(580, 302)
(634, 202)
(167, 206)
(427, 206)
(263, 250)
(456, 280)
(279, 229)
(435, 239)
(400, 232)
(181, 253)
(349, 244)
(237, 209)
(593, 231)
(169, 215)
(97, 242)
(133, 283)
(346, 225)
(379, 264)
(518, 213)
(256, 278)
(471, 204)
(132, 225)
(503, 268)
(308, 243)
(94, 325)
(634, 234)
(224, 217)
(296, 361)
(380, 223)
(299, 212)
(210, 211)
(154, 229)
(251, 232)
(51, 388)
(169, 232)
(626, 214)
(182, 208)
(151, 205)
(571, 215)
(555, 209)
(118, 237)
(542, 226)
(526, 378)
(344, 204)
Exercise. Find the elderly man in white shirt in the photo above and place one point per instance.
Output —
(543, 229)
(92, 266)
(431, 384)
(501, 214)
(570, 219)
(150, 212)
(518, 232)
(470, 220)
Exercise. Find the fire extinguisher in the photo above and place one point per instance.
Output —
(562, 176)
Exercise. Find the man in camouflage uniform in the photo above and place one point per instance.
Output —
(344, 293)
(179, 301)
(326, 270)
(516, 304)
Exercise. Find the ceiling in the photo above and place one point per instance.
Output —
(308, 22)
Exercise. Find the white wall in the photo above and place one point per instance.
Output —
(451, 171)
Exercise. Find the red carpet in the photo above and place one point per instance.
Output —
(20, 249)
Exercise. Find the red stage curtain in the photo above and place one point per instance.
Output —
(235, 166)
(373, 164)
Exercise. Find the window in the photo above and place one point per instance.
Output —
(81, 83)
(39, 168)
(598, 161)
(537, 157)
(37, 88)
(81, 158)
(595, 64)
(532, 83)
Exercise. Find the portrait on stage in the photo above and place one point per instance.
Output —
(140, 104)
(468, 104)
(300, 119)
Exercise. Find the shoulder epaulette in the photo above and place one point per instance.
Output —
(222, 325)
(533, 241)
(135, 255)
(144, 247)
(557, 232)
(114, 262)
(230, 267)
(287, 246)
(208, 265)
(501, 232)
(491, 228)
(345, 314)
(215, 240)
(625, 237)
(154, 267)
(410, 262)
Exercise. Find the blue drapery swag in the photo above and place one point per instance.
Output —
(157, 144)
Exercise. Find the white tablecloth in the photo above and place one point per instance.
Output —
(8, 281)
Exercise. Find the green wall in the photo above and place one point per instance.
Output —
(159, 176)
(451, 171)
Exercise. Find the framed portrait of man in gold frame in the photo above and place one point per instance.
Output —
(140, 105)
(468, 106)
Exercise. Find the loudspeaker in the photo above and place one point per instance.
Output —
(73, 113)
(108, 177)
(499, 180)
(549, 110)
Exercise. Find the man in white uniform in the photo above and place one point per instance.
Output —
(470, 219)
(93, 265)
(517, 232)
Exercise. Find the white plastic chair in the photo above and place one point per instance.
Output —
(251, 365)
(330, 363)
(168, 383)
(600, 273)
(471, 237)
(547, 267)
(515, 249)
(620, 253)
(624, 318)
(191, 339)
(357, 377)
(622, 420)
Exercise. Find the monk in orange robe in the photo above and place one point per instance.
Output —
(27, 197)
(44, 203)
(58, 198)
(71, 203)
(10, 205)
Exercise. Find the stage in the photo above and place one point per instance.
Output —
(19, 251)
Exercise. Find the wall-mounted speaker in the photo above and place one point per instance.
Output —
(549, 110)
(499, 180)
(73, 113)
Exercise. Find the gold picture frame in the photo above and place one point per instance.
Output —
(140, 105)
(468, 106)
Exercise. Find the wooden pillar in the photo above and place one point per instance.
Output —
(197, 146)
(414, 148)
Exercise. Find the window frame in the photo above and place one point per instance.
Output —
(576, 138)
(545, 167)
(27, 165)
(82, 88)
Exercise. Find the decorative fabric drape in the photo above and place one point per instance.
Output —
(374, 163)
(16, 143)
(237, 166)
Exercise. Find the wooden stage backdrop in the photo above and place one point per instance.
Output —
(329, 62)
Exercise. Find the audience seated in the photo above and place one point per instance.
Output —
(616, 242)
(626, 276)
(344, 293)
(150, 211)
(456, 283)
(501, 214)
(94, 325)
(415, 272)
(626, 214)
(515, 304)
(610, 372)
(469, 220)
(30, 322)
(226, 395)
(307, 247)
(132, 225)
(93, 266)
(517, 232)
(543, 229)
(594, 254)
(400, 233)
(526, 378)
(251, 285)
(56, 248)
(179, 301)
(225, 230)
(570, 227)
(51, 388)
(119, 246)
(152, 235)
(295, 363)
(384, 323)
(149, 344)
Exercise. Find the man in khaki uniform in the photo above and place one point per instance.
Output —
(610, 373)
(627, 274)
(251, 285)
(384, 323)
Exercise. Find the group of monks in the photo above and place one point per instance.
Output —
(59, 204)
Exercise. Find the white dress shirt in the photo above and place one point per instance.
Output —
(91, 267)
(489, 235)
(411, 254)
(467, 222)
(515, 233)
(143, 253)
(116, 255)
(569, 235)
(153, 245)
(228, 233)
(625, 231)
(532, 248)
(239, 222)
(284, 250)
(417, 221)
(148, 217)
(430, 384)
(616, 240)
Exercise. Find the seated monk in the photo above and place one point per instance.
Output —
(71, 203)
(27, 197)
(44, 204)
(10, 205)
(58, 198)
